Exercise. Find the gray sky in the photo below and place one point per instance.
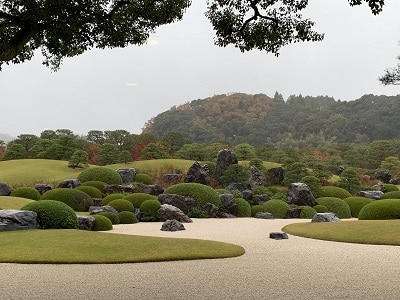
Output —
(123, 88)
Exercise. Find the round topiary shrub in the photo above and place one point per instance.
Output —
(107, 199)
(127, 217)
(104, 174)
(334, 191)
(255, 209)
(76, 199)
(277, 208)
(307, 212)
(101, 223)
(390, 187)
(320, 208)
(52, 214)
(244, 208)
(137, 198)
(121, 205)
(149, 210)
(143, 178)
(114, 218)
(336, 205)
(356, 204)
(91, 191)
(97, 184)
(26, 192)
(391, 195)
(381, 210)
(201, 193)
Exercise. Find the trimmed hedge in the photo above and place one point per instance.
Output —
(127, 217)
(26, 192)
(307, 212)
(143, 178)
(391, 195)
(149, 209)
(390, 187)
(114, 218)
(244, 208)
(94, 183)
(137, 198)
(107, 199)
(102, 223)
(121, 205)
(201, 193)
(381, 210)
(277, 208)
(320, 208)
(356, 204)
(336, 205)
(52, 214)
(334, 191)
(76, 199)
(104, 174)
(255, 209)
(91, 191)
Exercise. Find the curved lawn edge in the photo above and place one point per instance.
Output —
(375, 232)
(87, 247)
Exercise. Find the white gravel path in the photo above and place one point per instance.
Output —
(296, 268)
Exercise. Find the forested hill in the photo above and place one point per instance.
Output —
(258, 119)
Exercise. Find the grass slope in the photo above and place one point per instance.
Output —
(8, 202)
(86, 247)
(377, 232)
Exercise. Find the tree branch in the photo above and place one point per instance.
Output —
(256, 15)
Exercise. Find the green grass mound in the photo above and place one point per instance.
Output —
(201, 193)
(334, 191)
(97, 184)
(26, 192)
(137, 198)
(390, 187)
(8, 202)
(77, 200)
(336, 205)
(91, 191)
(307, 212)
(102, 223)
(255, 209)
(127, 217)
(320, 208)
(277, 208)
(377, 232)
(149, 209)
(391, 195)
(104, 174)
(107, 199)
(244, 208)
(381, 210)
(113, 217)
(88, 247)
(53, 214)
(143, 178)
(121, 205)
(356, 204)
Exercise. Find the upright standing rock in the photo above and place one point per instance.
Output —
(300, 194)
(224, 160)
(127, 175)
(198, 174)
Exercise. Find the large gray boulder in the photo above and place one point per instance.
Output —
(325, 217)
(257, 178)
(300, 194)
(152, 189)
(172, 225)
(127, 175)
(118, 188)
(211, 210)
(260, 199)
(5, 190)
(169, 212)
(93, 210)
(185, 203)
(198, 174)
(224, 160)
(43, 187)
(18, 220)
(69, 183)
(371, 194)
(228, 201)
(86, 222)
(264, 215)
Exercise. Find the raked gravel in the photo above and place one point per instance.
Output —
(296, 268)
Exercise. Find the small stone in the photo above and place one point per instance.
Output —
(278, 236)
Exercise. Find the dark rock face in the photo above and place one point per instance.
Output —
(224, 160)
(18, 220)
(169, 212)
(198, 174)
(43, 187)
(118, 188)
(86, 222)
(371, 194)
(172, 178)
(300, 194)
(211, 210)
(260, 199)
(127, 175)
(264, 215)
(278, 236)
(275, 175)
(228, 201)
(339, 170)
(227, 216)
(69, 183)
(257, 178)
(185, 203)
(98, 209)
(152, 189)
(293, 213)
(172, 225)
(383, 176)
(5, 190)
(247, 195)
(325, 217)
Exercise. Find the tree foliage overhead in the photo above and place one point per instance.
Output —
(68, 28)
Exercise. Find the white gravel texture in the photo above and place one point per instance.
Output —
(296, 268)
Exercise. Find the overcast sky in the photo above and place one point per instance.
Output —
(123, 88)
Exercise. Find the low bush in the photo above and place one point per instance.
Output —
(334, 191)
(196, 213)
(107, 199)
(91, 191)
(102, 223)
(336, 205)
(143, 178)
(52, 214)
(137, 198)
(391, 195)
(114, 218)
(320, 208)
(95, 183)
(201, 193)
(390, 187)
(277, 208)
(77, 200)
(381, 210)
(244, 208)
(307, 212)
(149, 210)
(121, 205)
(26, 192)
(356, 204)
(127, 217)
(256, 208)
(104, 174)
(235, 173)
